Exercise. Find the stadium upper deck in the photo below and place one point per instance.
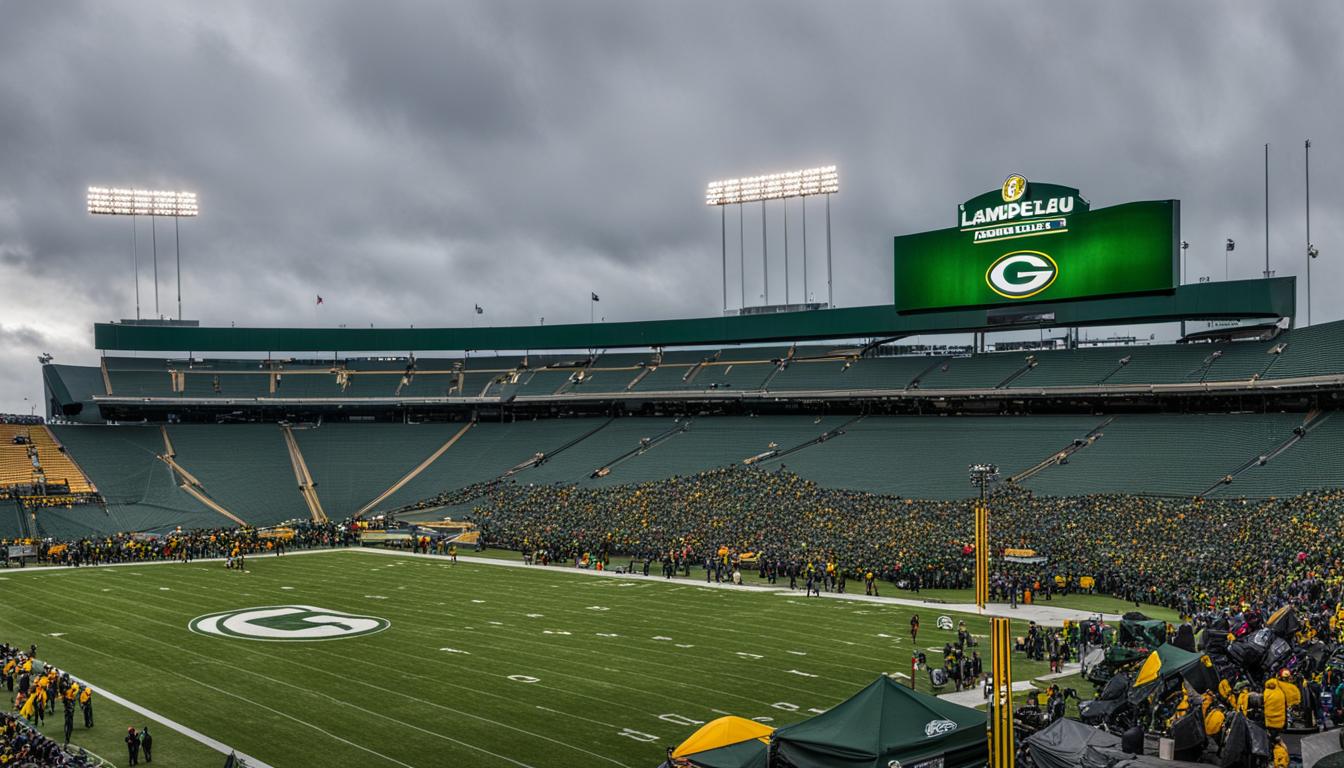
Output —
(1305, 366)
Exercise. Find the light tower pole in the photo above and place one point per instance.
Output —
(982, 475)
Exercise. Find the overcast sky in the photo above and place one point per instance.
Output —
(407, 160)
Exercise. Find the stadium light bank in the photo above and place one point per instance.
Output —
(824, 180)
(121, 201)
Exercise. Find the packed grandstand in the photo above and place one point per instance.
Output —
(761, 448)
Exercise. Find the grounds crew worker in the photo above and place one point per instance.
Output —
(86, 704)
(69, 702)
(146, 743)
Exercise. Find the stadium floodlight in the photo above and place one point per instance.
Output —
(125, 201)
(118, 201)
(773, 186)
(823, 180)
(982, 475)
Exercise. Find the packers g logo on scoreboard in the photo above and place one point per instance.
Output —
(287, 623)
(1014, 187)
(1021, 274)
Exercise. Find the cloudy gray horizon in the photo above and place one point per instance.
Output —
(407, 160)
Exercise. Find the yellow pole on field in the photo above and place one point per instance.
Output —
(981, 556)
(1002, 753)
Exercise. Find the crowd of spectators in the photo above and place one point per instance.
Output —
(1190, 554)
(188, 545)
(23, 746)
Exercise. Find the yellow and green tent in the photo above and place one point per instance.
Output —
(1169, 665)
(728, 742)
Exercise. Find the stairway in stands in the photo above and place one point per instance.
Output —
(1062, 456)
(1310, 422)
(188, 482)
(307, 487)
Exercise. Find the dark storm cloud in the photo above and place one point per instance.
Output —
(407, 160)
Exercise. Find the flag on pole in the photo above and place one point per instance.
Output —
(319, 299)
(479, 311)
(595, 297)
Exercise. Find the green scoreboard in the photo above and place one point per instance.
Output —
(1033, 242)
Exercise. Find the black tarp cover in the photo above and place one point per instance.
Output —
(1063, 743)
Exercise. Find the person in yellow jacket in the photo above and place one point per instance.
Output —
(1280, 754)
(86, 705)
(1213, 724)
(37, 705)
(1291, 692)
(25, 705)
(1276, 706)
(1225, 693)
(1243, 700)
(53, 690)
(1182, 708)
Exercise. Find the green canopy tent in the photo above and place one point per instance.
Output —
(1166, 666)
(882, 723)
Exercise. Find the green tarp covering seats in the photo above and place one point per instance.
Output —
(885, 722)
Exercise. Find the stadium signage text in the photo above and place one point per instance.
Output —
(287, 623)
(1011, 211)
(1018, 209)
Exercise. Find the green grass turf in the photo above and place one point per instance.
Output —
(681, 652)
(171, 749)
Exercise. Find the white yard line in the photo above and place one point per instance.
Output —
(191, 733)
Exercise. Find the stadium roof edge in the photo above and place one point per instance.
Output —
(1238, 299)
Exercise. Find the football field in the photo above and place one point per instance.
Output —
(355, 658)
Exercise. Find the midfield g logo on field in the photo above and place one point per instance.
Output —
(287, 623)
(1021, 274)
